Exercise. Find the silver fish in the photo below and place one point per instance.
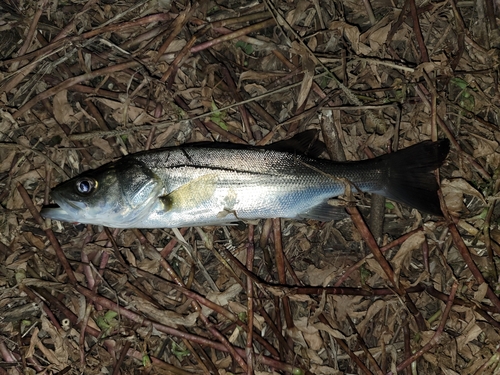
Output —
(201, 185)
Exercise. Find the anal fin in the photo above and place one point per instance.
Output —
(324, 212)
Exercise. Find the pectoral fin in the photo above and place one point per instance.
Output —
(191, 195)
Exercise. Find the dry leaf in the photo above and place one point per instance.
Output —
(136, 115)
(471, 332)
(481, 292)
(374, 265)
(483, 146)
(352, 34)
(320, 277)
(373, 310)
(453, 191)
(402, 258)
(308, 66)
(447, 371)
(296, 336)
(34, 240)
(379, 37)
(334, 332)
(222, 298)
(325, 370)
(310, 333)
(251, 75)
(167, 317)
(59, 356)
(237, 308)
(63, 112)
(103, 145)
(149, 265)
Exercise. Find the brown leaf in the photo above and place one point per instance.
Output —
(379, 37)
(222, 298)
(310, 333)
(374, 309)
(402, 258)
(167, 317)
(63, 112)
(453, 191)
(103, 145)
(308, 66)
(320, 276)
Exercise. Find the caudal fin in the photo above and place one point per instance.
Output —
(409, 178)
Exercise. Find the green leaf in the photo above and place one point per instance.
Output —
(242, 316)
(245, 47)
(389, 205)
(102, 323)
(365, 274)
(110, 315)
(146, 361)
(459, 82)
(179, 351)
(107, 321)
(218, 117)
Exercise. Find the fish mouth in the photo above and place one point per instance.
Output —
(63, 210)
(55, 212)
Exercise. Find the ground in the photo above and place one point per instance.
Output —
(83, 83)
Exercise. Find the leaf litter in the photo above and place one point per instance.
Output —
(82, 83)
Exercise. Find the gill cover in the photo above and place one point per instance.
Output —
(137, 182)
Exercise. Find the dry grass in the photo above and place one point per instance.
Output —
(84, 82)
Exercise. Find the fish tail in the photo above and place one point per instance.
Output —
(409, 179)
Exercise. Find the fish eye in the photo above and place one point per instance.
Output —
(86, 186)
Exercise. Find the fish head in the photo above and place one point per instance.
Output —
(117, 195)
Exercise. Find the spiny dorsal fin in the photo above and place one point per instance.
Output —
(305, 143)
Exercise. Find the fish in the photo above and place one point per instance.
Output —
(222, 183)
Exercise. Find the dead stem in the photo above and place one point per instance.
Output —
(370, 241)
(31, 33)
(424, 56)
(176, 27)
(72, 81)
(389, 246)
(464, 251)
(234, 35)
(243, 111)
(250, 355)
(280, 264)
(178, 59)
(169, 330)
(121, 358)
(346, 349)
(363, 346)
(430, 71)
(48, 231)
(317, 290)
(437, 335)
(229, 347)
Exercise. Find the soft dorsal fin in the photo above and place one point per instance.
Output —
(305, 143)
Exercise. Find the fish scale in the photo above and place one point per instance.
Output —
(261, 184)
(200, 185)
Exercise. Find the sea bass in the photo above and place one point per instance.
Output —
(206, 185)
